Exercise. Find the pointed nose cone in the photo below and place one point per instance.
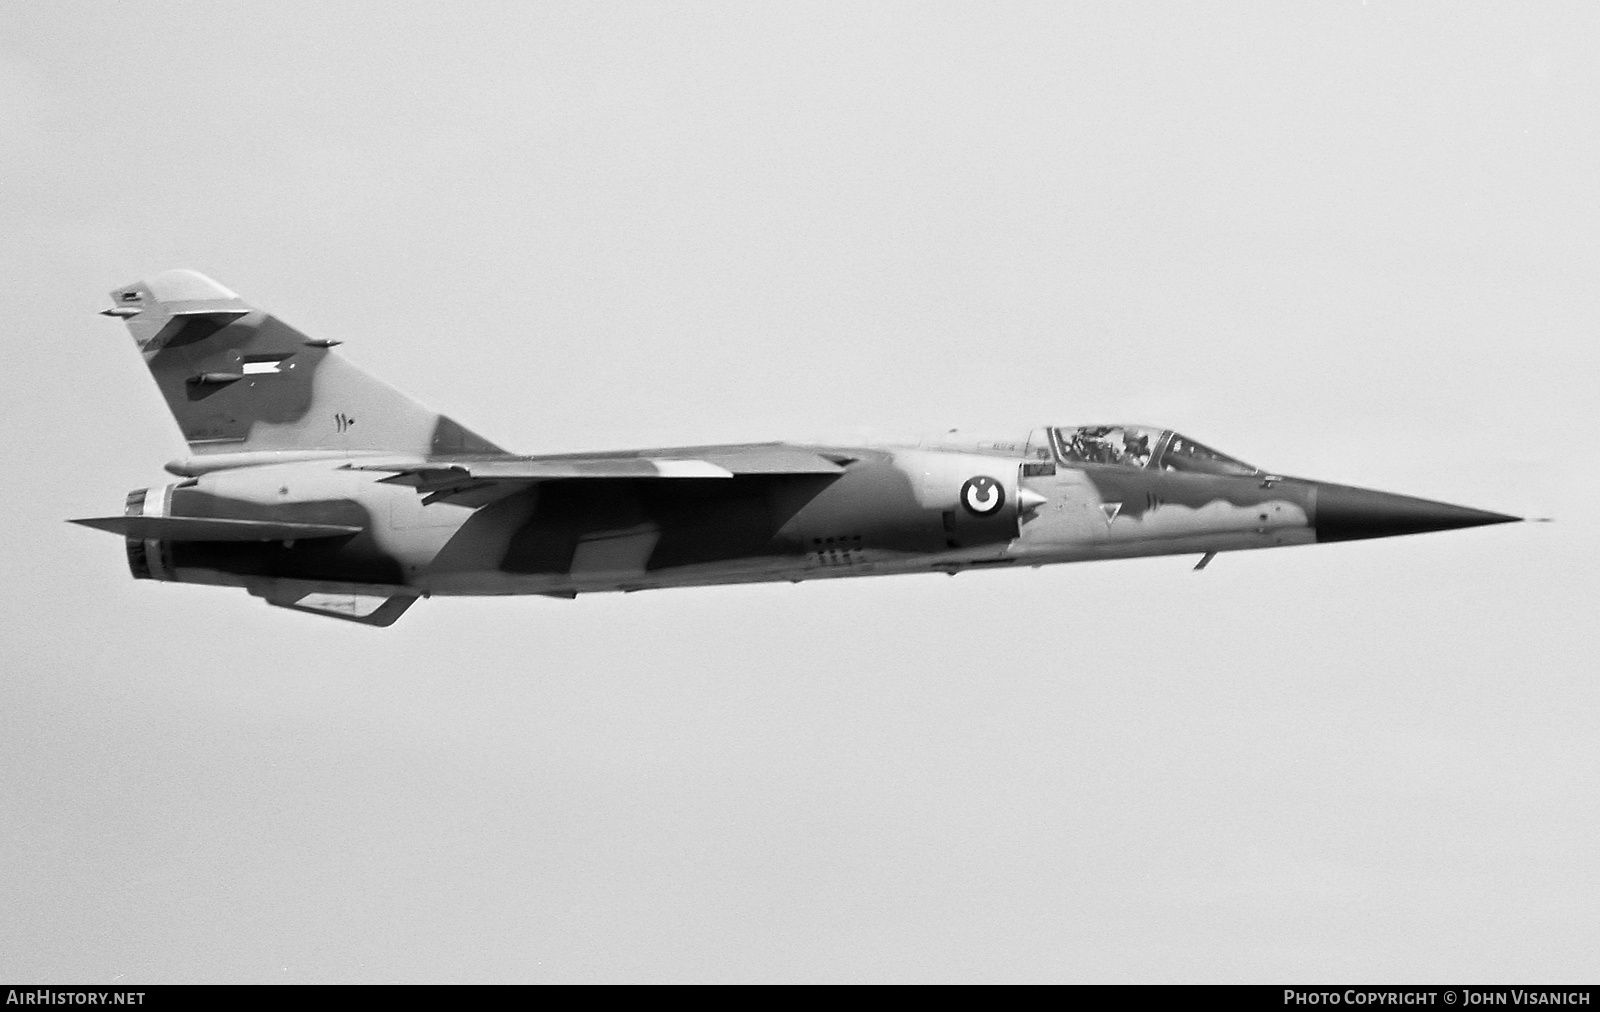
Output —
(1345, 513)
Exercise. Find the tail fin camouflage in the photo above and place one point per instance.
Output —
(239, 380)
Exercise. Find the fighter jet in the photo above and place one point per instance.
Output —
(318, 488)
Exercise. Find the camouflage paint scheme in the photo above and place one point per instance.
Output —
(318, 488)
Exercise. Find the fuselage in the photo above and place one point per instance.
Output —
(943, 506)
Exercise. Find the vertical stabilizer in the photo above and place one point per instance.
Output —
(239, 380)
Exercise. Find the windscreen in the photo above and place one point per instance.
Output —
(1184, 454)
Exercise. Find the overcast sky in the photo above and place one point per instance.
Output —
(1357, 242)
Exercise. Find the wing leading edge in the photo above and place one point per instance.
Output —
(472, 482)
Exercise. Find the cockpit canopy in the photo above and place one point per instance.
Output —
(1142, 446)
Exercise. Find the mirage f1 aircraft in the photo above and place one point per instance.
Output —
(318, 488)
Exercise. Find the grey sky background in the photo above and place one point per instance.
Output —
(1351, 241)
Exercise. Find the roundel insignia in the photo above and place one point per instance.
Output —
(982, 496)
